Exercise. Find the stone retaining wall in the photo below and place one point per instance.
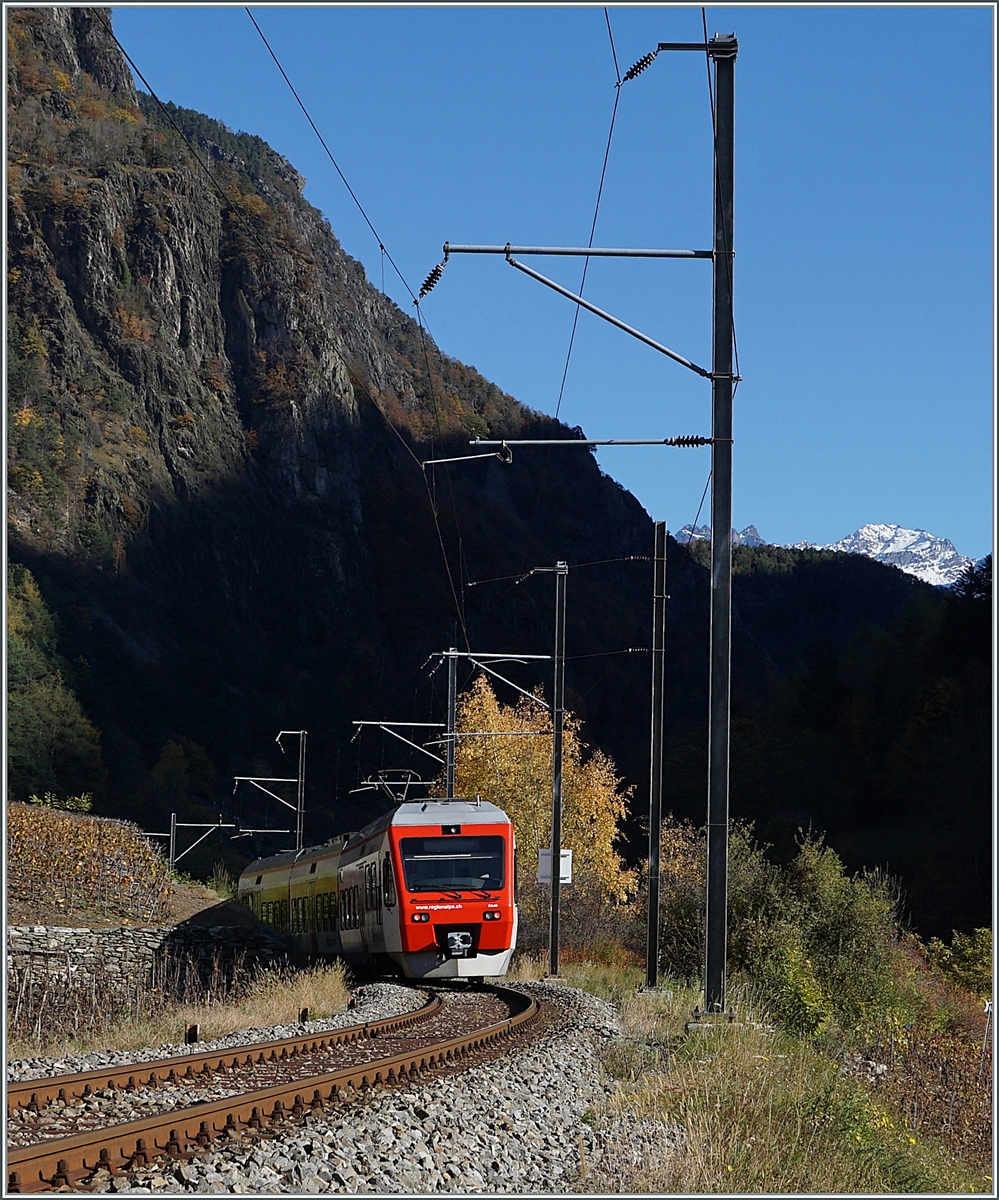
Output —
(133, 955)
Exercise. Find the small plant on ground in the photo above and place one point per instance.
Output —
(222, 882)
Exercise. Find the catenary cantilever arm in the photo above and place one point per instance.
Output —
(599, 312)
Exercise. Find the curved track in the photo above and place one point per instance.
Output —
(267, 1083)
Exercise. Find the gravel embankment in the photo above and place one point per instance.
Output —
(530, 1122)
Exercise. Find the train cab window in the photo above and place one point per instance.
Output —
(388, 882)
(433, 864)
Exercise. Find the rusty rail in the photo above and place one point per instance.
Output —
(133, 1076)
(181, 1132)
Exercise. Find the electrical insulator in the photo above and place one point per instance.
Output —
(690, 440)
(432, 280)
(640, 66)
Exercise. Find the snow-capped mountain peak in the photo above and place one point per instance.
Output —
(932, 559)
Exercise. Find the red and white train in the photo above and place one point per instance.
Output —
(426, 891)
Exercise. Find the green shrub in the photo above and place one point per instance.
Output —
(967, 960)
(823, 945)
(82, 803)
(796, 997)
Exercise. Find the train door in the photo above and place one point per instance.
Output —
(311, 915)
(368, 935)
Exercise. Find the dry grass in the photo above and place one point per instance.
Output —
(759, 1111)
(151, 1016)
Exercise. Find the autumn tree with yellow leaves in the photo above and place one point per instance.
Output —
(512, 768)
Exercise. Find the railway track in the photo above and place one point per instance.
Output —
(76, 1129)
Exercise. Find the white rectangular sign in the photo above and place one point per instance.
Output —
(545, 866)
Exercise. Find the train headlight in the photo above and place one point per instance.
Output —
(420, 917)
(492, 914)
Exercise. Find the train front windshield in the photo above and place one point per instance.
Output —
(439, 864)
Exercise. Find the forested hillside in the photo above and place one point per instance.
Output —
(219, 526)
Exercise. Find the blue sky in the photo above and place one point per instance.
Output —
(864, 217)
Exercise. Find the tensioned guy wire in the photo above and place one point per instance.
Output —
(329, 153)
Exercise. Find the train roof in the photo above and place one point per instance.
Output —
(286, 858)
(435, 812)
(448, 812)
(411, 812)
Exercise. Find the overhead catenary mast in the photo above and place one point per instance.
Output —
(721, 50)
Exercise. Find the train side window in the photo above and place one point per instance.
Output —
(388, 881)
(348, 906)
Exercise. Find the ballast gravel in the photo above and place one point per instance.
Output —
(531, 1122)
(372, 1002)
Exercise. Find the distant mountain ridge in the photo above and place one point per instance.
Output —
(750, 536)
(934, 560)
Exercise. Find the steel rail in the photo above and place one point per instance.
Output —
(182, 1132)
(37, 1093)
